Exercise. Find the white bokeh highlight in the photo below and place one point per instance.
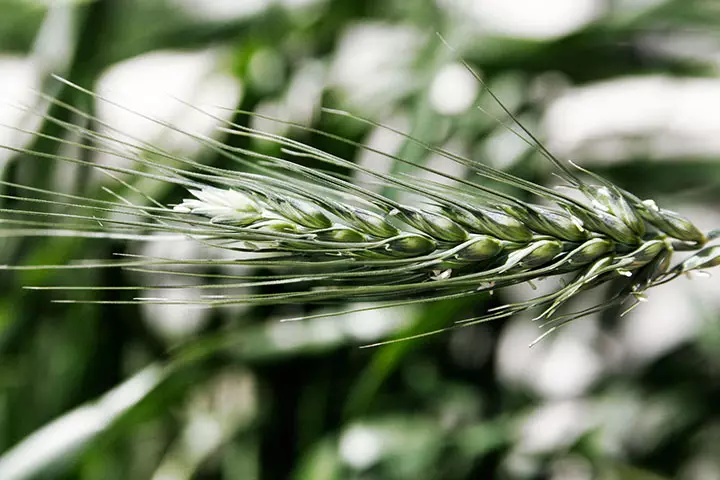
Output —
(373, 64)
(453, 90)
(157, 85)
(531, 19)
(19, 76)
(674, 117)
(361, 446)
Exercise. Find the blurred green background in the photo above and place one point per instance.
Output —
(627, 88)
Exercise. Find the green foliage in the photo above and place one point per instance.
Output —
(113, 367)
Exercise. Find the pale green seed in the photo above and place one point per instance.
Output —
(611, 199)
(411, 245)
(673, 224)
(368, 222)
(706, 258)
(591, 251)
(544, 252)
(490, 222)
(549, 222)
(482, 248)
(602, 222)
(343, 235)
(302, 212)
(436, 225)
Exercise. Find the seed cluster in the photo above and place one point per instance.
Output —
(456, 248)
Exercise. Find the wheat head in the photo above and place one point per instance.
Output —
(332, 240)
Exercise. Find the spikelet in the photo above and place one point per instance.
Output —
(335, 241)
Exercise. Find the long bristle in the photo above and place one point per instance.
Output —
(331, 240)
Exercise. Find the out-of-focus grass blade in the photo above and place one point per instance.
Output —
(63, 438)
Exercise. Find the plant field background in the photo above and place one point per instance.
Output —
(628, 89)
